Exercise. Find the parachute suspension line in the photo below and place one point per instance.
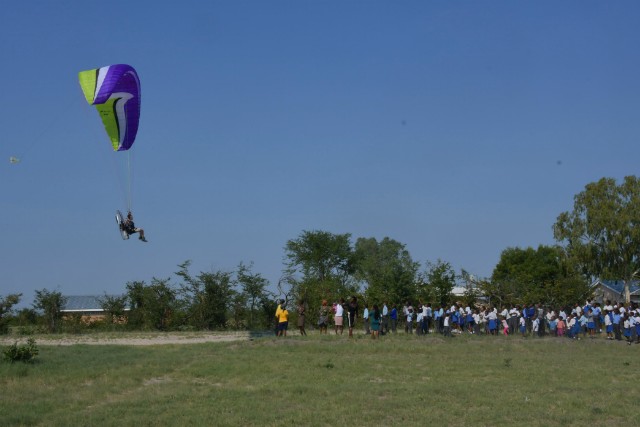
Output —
(120, 174)
(129, 182)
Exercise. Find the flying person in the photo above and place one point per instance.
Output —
(130, 228)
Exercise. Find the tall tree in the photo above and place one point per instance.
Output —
(441, 280)
(545, 274)
(602, 232)
(207, 298)
(50, 303)
(254, 289)
(320, 265)
(153, 306)
(387, 269)
(6, 307)
(114, 308)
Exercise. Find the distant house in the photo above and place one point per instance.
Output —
(613, 290)
(89, 307)
(458, 291)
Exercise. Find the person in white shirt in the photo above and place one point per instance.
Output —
(513, 320)
(384, 326)
(535, 326)
(447, 324)
(477, 321)
(339, 317)
(365, 318)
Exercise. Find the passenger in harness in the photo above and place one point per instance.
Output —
(130, 228)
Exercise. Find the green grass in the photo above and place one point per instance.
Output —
(328, 380)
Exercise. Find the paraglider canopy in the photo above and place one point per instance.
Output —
(115, 92)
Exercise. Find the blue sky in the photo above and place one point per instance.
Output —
(457, 128)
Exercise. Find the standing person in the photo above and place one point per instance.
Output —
(523, 325)
(405, 312)
(338, 317)
(574, 326)
(513, 319)
(531, 312)
(352, 308)
(560, 326)
(384, 327)
(277, 315)
(627, 328)
(505, 327)
(541, 322)
(469, 320)
(549, 318)
(441, 319)
(616, 323)
(436, 320)
(365, 319)
(493, 322)
(504, 314)
(323, 317)
(553, 323)
(409, 327)
(447, 324)
(608, 324)
(597, 312)
(427, 315)
(301, 313)
(375, 322)
(591, 324)
(283, 321)
(394, 318)
(535, 326)
(476, 322)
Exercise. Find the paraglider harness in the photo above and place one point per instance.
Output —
(127, 227)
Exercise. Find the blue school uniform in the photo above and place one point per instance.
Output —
(576, 329)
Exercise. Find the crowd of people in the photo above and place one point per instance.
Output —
(614, 321)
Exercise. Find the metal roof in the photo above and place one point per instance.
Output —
(76, 303)
(618, 286)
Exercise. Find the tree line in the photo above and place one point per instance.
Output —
(599, 238)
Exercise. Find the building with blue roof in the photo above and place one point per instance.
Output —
(88, 306)
(613, 290)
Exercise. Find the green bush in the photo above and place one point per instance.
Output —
(24, 353)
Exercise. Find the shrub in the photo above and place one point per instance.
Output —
(23, 353)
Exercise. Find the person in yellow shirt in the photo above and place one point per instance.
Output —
(277, 316)
(283, 320)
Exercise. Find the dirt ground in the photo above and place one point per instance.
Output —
(133, 339)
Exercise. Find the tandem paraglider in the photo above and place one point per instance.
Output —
(114, 91)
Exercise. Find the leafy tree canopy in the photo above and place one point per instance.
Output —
(387, 269)
(602, 232)
(543, 275)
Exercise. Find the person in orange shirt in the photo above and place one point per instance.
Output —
(561, 327)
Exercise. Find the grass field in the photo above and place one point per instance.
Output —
(328, 380)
